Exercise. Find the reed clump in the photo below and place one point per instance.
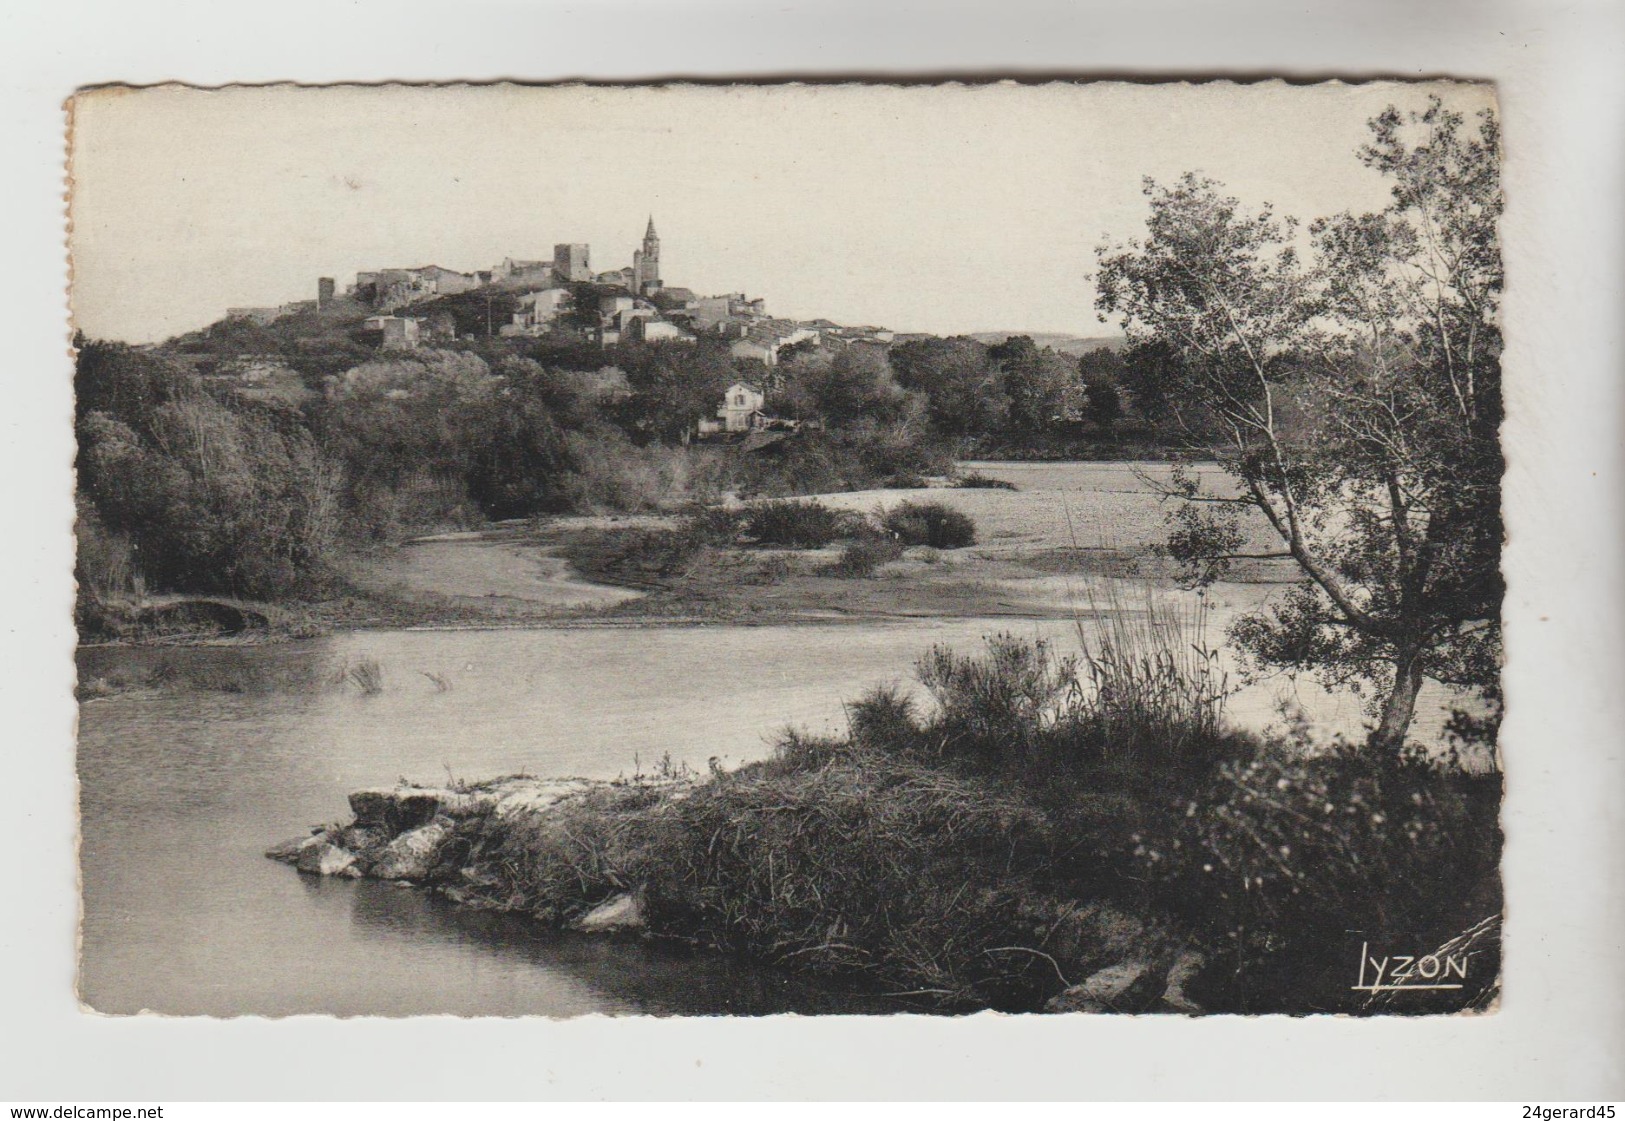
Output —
(367, 675)
(831, 859)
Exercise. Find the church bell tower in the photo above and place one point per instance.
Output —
(648, 261)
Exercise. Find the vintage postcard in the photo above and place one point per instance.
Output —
(819, 548)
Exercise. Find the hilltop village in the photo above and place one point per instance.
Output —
(564, 298)
(255, 456)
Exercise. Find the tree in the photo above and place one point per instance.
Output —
(1356, 403)
(1100, 373)
(580, 311)
(478, 312)
(212, 499)
(843, 389)
(520, 463)
(673, 385)
(963, 386)
(1037, 384)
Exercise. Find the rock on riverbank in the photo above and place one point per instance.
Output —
(621, 857)
(492, 845)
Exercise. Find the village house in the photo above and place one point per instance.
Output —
(622, 323)
(400, 332)
(741, 411)
(744, 412)
(646, 329)
(513, 273)
(763, 342)
(537, 312)
(837, 339)
(446, 282)
(388, 289)
(711, 312)
(612, 304)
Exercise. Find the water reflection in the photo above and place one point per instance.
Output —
(620, 974)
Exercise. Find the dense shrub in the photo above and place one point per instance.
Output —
(210, 497)
(998, 709)
(929, 523)
(608, 472)
(388, 512)
(802, 525)
(823, 461)
(860, 559)
(1127, 713)
(634, 556)
(1286, 863)
(716, 525)
(104, 566)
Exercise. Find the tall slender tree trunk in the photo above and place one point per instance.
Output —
(1400, 705)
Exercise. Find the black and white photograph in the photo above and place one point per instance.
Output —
(823, 548)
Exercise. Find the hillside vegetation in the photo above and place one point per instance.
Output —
(245, 459)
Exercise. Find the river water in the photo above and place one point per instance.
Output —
(184, 787)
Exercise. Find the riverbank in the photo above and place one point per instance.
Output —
(1023, 859)
(624, 859)
(1038, 547)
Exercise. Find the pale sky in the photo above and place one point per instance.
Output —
(942, 209)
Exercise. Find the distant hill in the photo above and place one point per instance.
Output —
(1066, 344)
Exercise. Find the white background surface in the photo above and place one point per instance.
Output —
(1561, 1031)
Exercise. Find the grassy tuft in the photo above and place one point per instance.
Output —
(368, 676)
(978, 481)
(1152, 688)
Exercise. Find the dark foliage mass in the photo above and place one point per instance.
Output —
(185, 489)
(860, 559)
(802, 525)
(239, 459)
(1257, 851)
(929, 523)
